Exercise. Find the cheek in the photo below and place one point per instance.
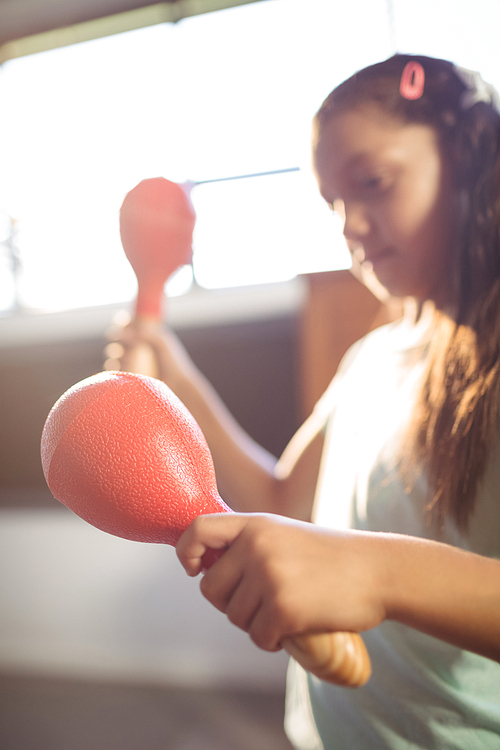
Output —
(420, 218)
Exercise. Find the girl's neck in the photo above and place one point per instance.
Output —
(415, 310)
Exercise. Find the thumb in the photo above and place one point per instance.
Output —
(216, 531)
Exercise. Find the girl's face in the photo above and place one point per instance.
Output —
(390, 182)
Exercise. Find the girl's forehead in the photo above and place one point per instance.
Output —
(357, 129)
(364, 133)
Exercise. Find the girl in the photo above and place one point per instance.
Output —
(399, 465)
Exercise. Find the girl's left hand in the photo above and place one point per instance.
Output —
(279, 577)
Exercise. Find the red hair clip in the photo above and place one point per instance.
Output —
(412, 81)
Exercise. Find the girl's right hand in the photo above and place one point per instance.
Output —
(278, 578)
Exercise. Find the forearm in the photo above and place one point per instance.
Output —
(279, 577)
(445, 592)
(249, 477)
(252, 480)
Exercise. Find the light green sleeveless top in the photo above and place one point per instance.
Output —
(423, 692)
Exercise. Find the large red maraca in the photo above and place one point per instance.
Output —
(157, 221)
(122, 452)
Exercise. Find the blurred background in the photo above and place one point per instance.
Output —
(105, 643)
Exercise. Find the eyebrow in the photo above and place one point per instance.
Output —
(360, 159)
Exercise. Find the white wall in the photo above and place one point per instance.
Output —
(75, 601)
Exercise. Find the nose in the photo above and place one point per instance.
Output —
(356, 222)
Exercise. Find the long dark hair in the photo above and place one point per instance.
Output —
(455, 421)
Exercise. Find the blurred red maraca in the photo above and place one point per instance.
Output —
(122, 452)
(157, 221)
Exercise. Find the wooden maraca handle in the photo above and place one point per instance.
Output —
(340, 658)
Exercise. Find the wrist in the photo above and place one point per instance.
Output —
(388, 561)
(392, 575)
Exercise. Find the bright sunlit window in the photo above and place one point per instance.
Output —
(218, 95)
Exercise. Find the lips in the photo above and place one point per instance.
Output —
(378, 256)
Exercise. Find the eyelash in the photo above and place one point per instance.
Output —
(373, 185)
(371, 182)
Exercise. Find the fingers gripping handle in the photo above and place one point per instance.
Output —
(142, 361)
(340, 658)
(142, 358)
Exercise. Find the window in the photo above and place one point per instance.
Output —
(218, 95)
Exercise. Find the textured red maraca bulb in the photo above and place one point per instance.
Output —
(123, 453)
(156, 227)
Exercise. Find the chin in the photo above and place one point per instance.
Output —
(392, 287)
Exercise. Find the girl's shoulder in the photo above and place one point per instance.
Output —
(374, 343)
(396, 347)
(393, 338)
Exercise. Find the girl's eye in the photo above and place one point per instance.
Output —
(373, 182)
